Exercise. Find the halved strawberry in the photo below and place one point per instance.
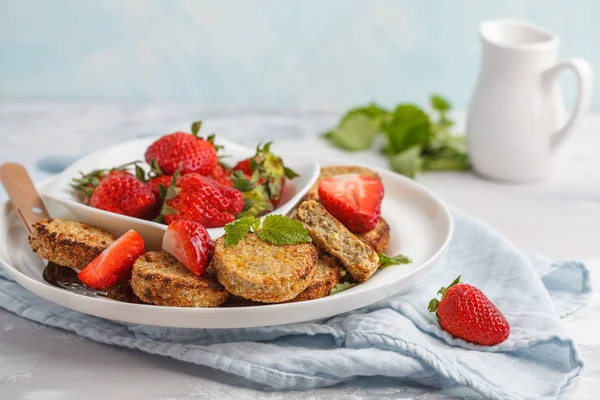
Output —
(190, 243)
(114, 264)
(355, 200)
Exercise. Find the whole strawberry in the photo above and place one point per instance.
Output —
(193, 153)
(198, 198)
(465, 312)
(221, 175)
(123, 193)
(262, 179)
(154, 184)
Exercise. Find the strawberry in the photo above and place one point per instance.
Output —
(123, 193)
(355, 200)
(192, 152)
(244, 166)
(190, 243)
(114, 264)
(267, 173)
(466, 313)
(221, 175)
(199, 198)
(153, 184)
(89, 182)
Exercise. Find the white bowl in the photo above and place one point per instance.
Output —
(152, 232)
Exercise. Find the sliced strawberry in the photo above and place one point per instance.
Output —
(355, 200)
(114, 264)
(190, 243)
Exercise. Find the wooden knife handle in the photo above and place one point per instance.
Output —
(23, 194)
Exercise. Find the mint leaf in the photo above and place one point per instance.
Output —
(407, 163)
(281, 230)
(355, 133)
(408, 126)
(439, 103)
(340, 287)
(386, 261)
(277, 229)
(235, 231)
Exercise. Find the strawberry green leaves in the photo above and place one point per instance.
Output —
(416, 141)
(277, 229)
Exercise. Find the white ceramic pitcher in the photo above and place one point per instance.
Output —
(516, 118)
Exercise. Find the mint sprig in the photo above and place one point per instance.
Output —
(386, 261)
(340, 287)
(277, 229)
(416, 140)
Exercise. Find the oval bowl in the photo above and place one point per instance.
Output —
(152, 232)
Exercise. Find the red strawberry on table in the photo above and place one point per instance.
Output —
(123, 193)
(114, 264)
(198, 198)
(190, 243)
(465, 312)
(355, 200)
(192, 152)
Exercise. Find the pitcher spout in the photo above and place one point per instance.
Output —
(513, 34)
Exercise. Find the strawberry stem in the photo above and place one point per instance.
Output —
(434, 303)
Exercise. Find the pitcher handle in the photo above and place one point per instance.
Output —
(583, 71)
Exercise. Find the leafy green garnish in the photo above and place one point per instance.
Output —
(386, 261)
(355, 133)
(416, 141)
(340, 287)
(408, 163)
(277, 229)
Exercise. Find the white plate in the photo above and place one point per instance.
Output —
(152, 232)
(421, 228)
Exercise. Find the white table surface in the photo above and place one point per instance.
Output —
(559, 218)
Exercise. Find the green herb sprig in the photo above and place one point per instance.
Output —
(277, 229)
(416, 141)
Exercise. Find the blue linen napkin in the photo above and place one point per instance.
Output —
(396, 338)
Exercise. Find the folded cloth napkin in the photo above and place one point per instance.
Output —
(396, 338)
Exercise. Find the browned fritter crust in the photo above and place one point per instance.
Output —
(237, 301)
(261, 271)
(358, 258)
(69, 243)
(327, 276)
(160, 279)
(378, 238)
(335, 170)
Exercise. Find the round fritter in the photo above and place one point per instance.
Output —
(160, 279)
(378, 238)
(69, 243)
(326, 277)
(261, 271)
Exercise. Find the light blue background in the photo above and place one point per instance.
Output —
(264, 53)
